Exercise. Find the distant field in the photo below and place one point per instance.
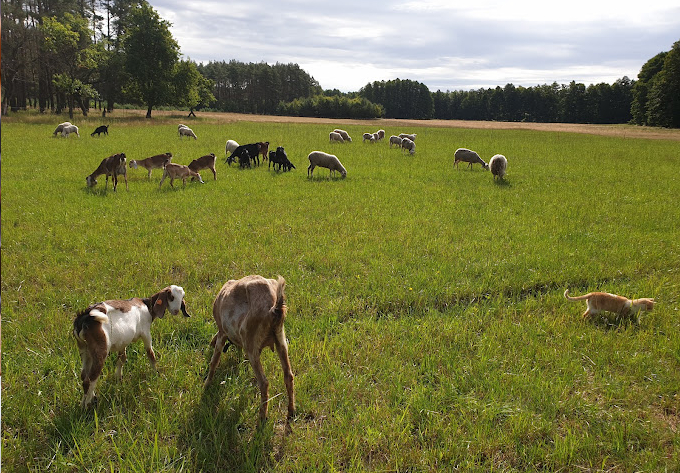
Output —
(426, 320)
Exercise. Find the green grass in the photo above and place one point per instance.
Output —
(426, 320)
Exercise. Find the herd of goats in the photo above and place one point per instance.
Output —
(249, 155)
(248, 312)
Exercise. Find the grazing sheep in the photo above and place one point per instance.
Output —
(230, 147)
(325, 160)
(335, 136)
(60, 128)
(408, 145)
(111, 166)
(178, 171)
(381, 134)
(112, 325)
(154, 162)
(411, 137)
(344, 134)
(68, 129)
(249, 313)
(204, 162)
(468, 156)
(370, 137)
(186, 131)
(281, 158)
(101, 129)
(498, 164)
(395, 140)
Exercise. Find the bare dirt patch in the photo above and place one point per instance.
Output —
(622, 131)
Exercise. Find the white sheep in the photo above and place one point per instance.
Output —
(395, 140)
(335, 136)
(325, 160)
(411, 137)
(381, 134)
(468, 156)
(110, 326)
(370, 137)
(68, 129)
(60, 128)
(230, 147)
(498, 164)
(344, 134)
(408, 145)
(186, 131)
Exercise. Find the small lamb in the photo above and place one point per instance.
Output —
(335, 136)
(325, 160)
(395, 140)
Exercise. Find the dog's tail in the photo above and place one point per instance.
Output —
(579, 298)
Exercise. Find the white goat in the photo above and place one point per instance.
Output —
(498, 164)
(68, 129)
(408, 145)
(344, 134)
(249, 313)
(154, 162)
(335, 136)
(110, 326)
(395, 140)
(186, 131)
(324, 160)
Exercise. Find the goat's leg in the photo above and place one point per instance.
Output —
(218, 340)
(262, 383)
(91, 378)
(122, 358)
(282, 350)
(149, 350)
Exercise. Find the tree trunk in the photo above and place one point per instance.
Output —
(148, 111)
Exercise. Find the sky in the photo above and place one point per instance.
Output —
(446, 45)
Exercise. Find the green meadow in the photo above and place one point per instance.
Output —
(427, 325)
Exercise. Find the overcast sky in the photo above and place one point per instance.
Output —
(445, 44)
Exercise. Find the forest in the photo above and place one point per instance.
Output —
(67, 55)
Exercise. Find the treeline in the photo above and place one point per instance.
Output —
(331, 106)
(257, 87)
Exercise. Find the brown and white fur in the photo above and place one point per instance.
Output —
(110, 326)
(204, 162)
(606, 302)
(178, 171)
(157, 161)
(111, 166)
(249, 313)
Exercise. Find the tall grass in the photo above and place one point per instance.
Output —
(426, 320)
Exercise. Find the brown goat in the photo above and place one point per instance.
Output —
(157, 161)
(204, 162)
(178, 171)
(249, 313)
(264, 149)
(111, 166)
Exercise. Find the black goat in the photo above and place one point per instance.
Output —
(101, 129)
(281, 158)
(252, 150)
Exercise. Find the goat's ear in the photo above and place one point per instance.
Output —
(160, 303)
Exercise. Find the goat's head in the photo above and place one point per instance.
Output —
(133, 164)
(171, 298)
(91, 181)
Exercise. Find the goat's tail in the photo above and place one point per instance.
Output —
(278, 311)
(84, 319)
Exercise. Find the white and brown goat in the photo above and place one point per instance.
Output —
(154, 162)
(249, 313)
(111, 166)
(110, 326)
(178, 171)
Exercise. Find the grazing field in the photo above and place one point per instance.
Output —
(427, 326)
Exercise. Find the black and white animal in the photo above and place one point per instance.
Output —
(281, 158)
(468, 156)
(111, 166)
(253, 151)
(101, 129)
(110, 326)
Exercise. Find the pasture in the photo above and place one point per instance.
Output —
(426, 321)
